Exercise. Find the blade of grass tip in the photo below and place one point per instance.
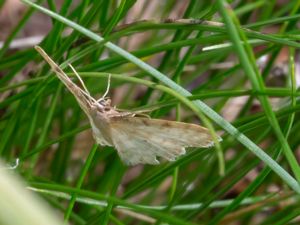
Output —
(247, 59)
(201, 106)
(80, 181)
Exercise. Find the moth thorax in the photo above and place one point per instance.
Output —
(105, 102)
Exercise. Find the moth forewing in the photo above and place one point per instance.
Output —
(84, 99)
(142, 140)
(137, 139)
(89, 105)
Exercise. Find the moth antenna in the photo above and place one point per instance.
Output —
(79, 78)
(108, 86)
(85, 91)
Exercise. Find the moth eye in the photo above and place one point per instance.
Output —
(101, 102)
(106, 109)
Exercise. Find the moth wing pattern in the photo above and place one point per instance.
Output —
(142, 140)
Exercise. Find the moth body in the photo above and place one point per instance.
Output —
(137, 139)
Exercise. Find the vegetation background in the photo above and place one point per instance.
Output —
(240, 58)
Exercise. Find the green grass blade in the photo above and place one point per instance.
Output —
(197, 105)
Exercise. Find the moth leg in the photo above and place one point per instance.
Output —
(108, 86)
(121, 114)
(107, 89)
(142, 115)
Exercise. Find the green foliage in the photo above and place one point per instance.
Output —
(153, 63)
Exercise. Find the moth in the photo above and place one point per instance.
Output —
(137, 139)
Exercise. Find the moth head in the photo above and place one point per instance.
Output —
(105, 102)
(102, 105)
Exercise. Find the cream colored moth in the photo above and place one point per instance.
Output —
(137, 139)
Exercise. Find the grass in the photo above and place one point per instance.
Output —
(41, 123)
